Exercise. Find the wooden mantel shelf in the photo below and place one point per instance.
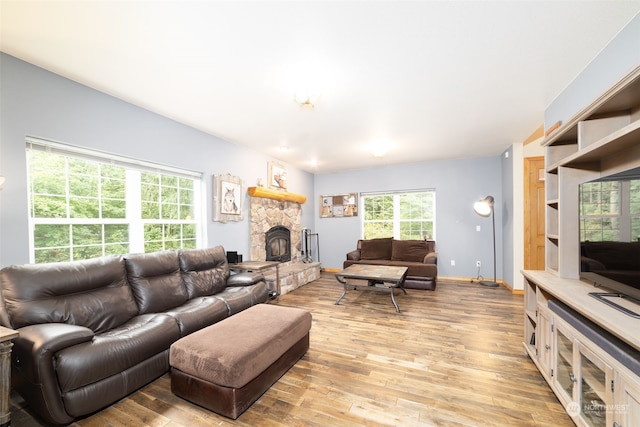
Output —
(283, 196)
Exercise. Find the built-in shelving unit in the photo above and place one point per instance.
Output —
(601, 140)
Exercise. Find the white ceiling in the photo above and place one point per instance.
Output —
(436, 79)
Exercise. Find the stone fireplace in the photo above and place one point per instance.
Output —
(265, 214)
(279, 221)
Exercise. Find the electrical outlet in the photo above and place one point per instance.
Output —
(478, 264)
(453, 262)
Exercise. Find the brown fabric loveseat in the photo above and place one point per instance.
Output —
(419, 256)
(93, 331)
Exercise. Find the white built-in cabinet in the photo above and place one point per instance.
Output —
(594, 387)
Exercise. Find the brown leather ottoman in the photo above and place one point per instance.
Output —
(227, 366)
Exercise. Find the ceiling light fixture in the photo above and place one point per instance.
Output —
(379, 149)
(306, 98)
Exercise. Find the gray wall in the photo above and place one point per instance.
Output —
(458, 184)
(38, 103)
(615, 61)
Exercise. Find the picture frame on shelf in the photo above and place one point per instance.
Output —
(277, 176)
(228, 198)
(339, 205)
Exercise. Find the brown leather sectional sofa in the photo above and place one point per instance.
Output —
(419, 256)
(93, 331)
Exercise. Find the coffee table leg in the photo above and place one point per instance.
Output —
(393, 299)
(344, 283)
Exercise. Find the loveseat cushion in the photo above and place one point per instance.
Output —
(376, 248)
(409, 250)
(418, 269)
(92, 293)
(156, 281)
(204, 271)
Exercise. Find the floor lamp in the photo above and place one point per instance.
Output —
(484, 208)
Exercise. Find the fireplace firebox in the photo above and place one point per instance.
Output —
(278, 244)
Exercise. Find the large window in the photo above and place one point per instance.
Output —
(610, 211)
(403, 215)
(86, 204)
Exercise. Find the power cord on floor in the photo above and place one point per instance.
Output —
(478, 277)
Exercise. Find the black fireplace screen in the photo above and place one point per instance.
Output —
(278, 244)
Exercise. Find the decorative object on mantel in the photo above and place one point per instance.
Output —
(282, 196)
(227, 198)
(277, 176)
(339, 205)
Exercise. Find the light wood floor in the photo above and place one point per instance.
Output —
(452, 357)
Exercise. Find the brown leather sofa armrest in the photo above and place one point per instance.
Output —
(33, 366)
(245, 279)
(34, 349)
(354, 255)
(431, 258)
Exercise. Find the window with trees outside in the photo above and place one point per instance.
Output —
(85, 204)
(402, 215)
(610, 211)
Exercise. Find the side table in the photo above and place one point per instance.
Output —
(259, 266)
(6, 335)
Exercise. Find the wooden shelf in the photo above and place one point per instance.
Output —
(283, 196)
(625, 138)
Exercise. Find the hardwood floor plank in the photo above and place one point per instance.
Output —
(452, 357)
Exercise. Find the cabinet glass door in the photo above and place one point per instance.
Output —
(594, 394)
(565, 377)
(627, 406)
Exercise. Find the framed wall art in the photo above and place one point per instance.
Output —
(277, 176)
(339, 205)
(228, 198)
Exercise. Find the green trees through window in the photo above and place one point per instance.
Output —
(405, 216)
(83, 207)
(610, 211)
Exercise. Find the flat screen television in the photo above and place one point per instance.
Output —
(610, 236)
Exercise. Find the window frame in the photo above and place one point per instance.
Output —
(133, 219)
(624, 217)
(397, 219)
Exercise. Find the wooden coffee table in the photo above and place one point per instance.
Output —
(377, 276)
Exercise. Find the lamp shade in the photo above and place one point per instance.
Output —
(484, 207)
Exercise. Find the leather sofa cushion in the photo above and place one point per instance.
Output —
(376, 248)
(156, 281)
(237, 298)
(204, 271)
(115, 351)
(409, 250)
(198, 313)
(93, 293)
